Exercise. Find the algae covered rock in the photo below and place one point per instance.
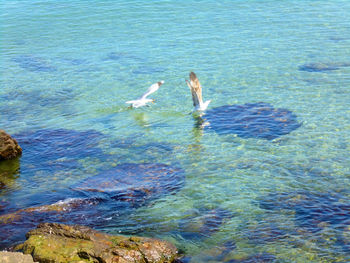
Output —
(9, 148)
(51, 242)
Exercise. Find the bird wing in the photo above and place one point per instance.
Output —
(196, 89)
(152, 89)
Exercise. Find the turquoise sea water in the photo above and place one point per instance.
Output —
(67, 68)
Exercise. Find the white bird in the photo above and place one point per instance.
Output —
(142, 101)
(196, 90)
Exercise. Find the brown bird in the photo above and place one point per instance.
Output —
(196, 90)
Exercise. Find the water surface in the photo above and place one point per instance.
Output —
(68, 67)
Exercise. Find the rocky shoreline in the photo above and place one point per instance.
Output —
(52, 242)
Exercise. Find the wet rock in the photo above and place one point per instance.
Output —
(15, 257)
(34, 63)
(252, 120)
(63, 206)
(63, 243)
(322, 67)
(9, 148)
(135, 183)
(203, 223)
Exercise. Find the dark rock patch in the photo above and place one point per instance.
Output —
(258, 258)
(312, 210)
(74, 61)
(252, 120)
(203, 223)
(135, 183)
(265, 233)
(338, 38)
(322, 67)
(59, 147)
(320, 218)
(34, 63)
(118, 56)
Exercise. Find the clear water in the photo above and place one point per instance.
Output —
(72, 65)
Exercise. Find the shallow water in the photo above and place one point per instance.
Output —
(68, 67)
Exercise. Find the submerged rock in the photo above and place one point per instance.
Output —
(312, 210)
(9, 148)
(252, 120)
(127, 185)
(258, 258)
(322, 67)
(58, 150)
(9, 170)
(107, 197)
(51, 242)
(15, 257)
(204, 223)
(34, 63)
(56, 208)
(135, 183)
(321, 219)
(47, 144)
